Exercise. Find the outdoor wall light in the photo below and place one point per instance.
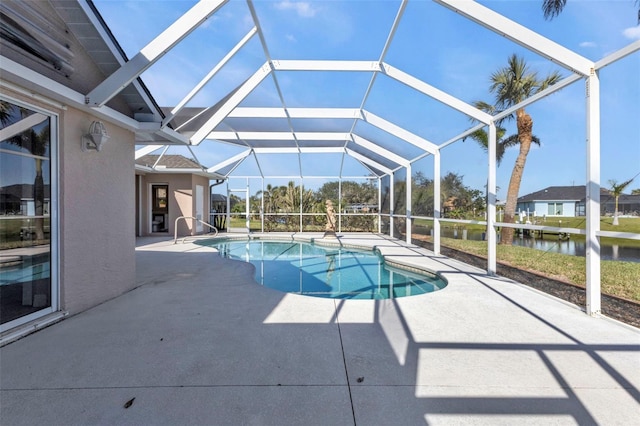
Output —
(95, 138)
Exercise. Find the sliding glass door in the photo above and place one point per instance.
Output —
(27, 289)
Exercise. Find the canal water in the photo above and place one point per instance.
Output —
(552, 244)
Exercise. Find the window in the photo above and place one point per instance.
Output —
(555, 209)
(26, 289)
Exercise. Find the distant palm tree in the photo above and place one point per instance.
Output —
(511, 85)
(553, 8)
(268, 194)
(616, 190)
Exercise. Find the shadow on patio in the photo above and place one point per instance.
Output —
(199, 342)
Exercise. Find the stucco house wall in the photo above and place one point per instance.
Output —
(182, 201)
(97, 216)
(541, 208)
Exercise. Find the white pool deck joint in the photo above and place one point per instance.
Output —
(198, 341)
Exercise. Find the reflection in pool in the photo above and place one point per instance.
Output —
(333, 272)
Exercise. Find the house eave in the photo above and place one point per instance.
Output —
(167, 170)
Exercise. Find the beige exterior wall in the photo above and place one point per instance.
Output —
(98, 213)
(182, 201)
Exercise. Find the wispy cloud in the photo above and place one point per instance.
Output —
(302, 8)
(291, 38)
(632, 32)
(588, 44)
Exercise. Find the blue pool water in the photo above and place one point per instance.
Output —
(340, 273)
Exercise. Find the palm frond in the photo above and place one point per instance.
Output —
(511, 140)
(617, 188)
(550, 80)
(484, 106)
(481, 137)
(552, 8)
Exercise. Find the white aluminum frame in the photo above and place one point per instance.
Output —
(153, 51)
(582, 69)
(592, 207)
(519, 34)
(54, 225)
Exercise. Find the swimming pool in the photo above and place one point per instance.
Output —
(332, 272)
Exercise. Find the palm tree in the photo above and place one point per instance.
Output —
(553, 8)
(502, 143)
(482, 136)
(36, 143)
(513, 84)
(270, 201)
(268, 194)
(39, 144)
(5, 113)
(616, 190)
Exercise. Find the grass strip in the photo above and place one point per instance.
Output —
(620, 279)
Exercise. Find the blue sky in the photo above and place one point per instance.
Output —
(433, 44)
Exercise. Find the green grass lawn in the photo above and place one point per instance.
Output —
(620, 279)
(626, 224)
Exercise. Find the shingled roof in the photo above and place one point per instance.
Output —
(173, 161)
(557, 193)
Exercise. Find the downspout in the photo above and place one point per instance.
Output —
(218, 182)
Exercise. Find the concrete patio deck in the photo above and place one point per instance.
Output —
(199, 342)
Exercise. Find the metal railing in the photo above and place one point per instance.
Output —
(175, 228)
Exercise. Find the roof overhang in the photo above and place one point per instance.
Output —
(141, 169)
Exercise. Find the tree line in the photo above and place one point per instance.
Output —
(457, 199)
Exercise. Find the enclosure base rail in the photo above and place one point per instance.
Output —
(175, 228)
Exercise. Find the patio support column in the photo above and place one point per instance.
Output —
(301, 190)
(391, 203)
(140, 211)
(436, 202)
(408, 205)
(247, 207)
(379, 205)
(593, 193)
(262, 207)
(491, 202)
(340, 204)
(228, 207)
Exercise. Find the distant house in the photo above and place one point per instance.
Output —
(167, 187)
(570, 201)
(18, 199)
